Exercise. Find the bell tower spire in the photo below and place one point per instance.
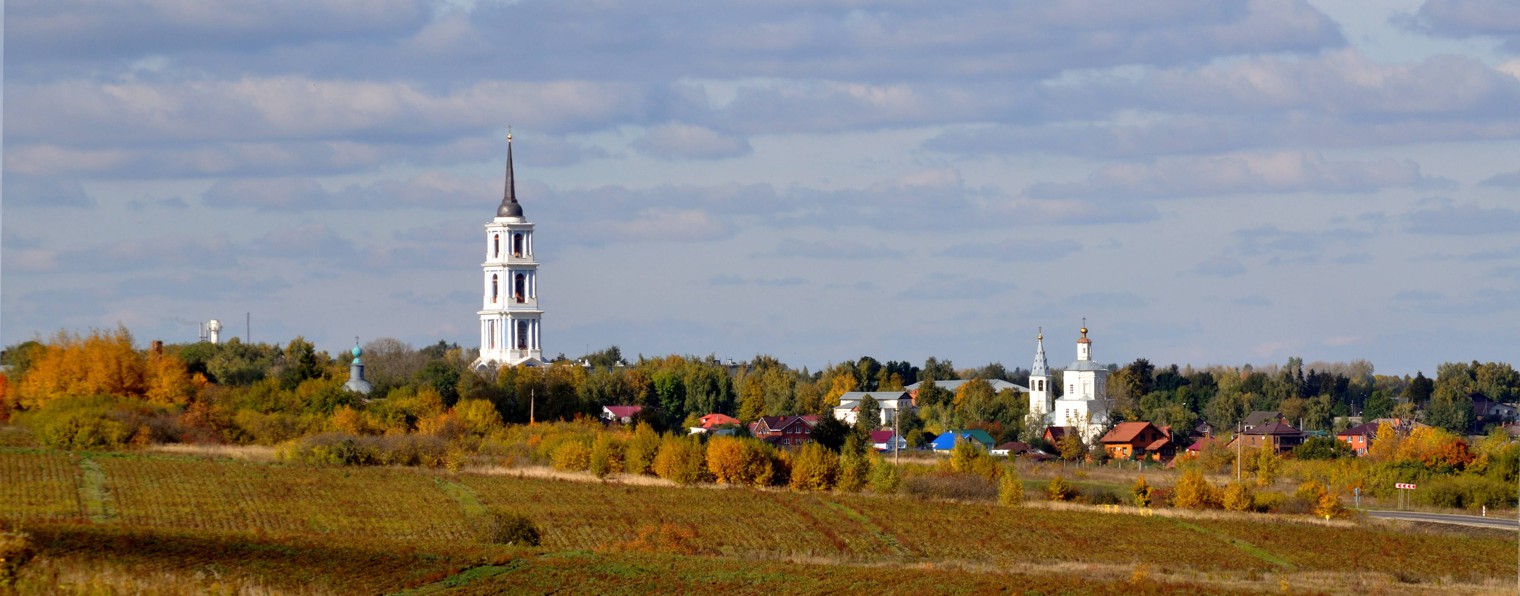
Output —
(509, 205)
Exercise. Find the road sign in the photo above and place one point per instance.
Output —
(1404, 486)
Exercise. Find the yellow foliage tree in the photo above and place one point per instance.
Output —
(102, 363)
(167, 380)
(842, 384)
(1385, 444)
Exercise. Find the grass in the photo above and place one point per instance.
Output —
(275, 527)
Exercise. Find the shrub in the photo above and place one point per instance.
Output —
(1322, 448)
(1099, 496)
(885, 477)
(1238, 497)
(854, 472)
(641, 449)
(572, 456)
(968, 457)
(1328, 505)
(606, 455)
(1193, 491)
(1060, 490)
(16, 550)
(96, 422)
(681, 460)
(667, 537)
(1141, 492)
(341, 449)
(1466, 492)
(815, 468)
(512, 528)
(949, 485)
(1011, 488)
(740, 461)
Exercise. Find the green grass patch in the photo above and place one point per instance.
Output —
(1244, 546)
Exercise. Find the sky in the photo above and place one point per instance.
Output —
(1204, 181)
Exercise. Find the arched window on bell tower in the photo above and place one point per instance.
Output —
(520, 287)
(495, 288)
(517, 244)
(495, 245)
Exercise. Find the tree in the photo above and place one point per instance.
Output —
(1378, 405)
(1142, 492)
(1450, 408)
(1238, 497)
(814, 468)
(1071, 446)
(868, 414)
(831, 432)
(1010, 488)
(1419, 389)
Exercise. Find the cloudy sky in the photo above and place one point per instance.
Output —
(1204, 181)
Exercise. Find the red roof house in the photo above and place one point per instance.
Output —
(1130, 439)
(620, 414)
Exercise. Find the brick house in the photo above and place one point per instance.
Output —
(1359, 437)
(784, 431)
(1277, 434)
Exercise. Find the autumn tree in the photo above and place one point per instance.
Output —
(815, 468)
(868, 414)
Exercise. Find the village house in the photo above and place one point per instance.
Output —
(889, 402)
(887, 440)
(1128, 440)
(620, 414)
(1359, 437)
(1277, 434)
(716, 424)
(784, 431)
(947, 440)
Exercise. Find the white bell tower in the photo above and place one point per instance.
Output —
(1039, 381)
(509, 316)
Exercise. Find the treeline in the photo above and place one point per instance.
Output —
(1311, 397)
(101, 389)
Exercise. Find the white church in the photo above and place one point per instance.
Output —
(509, 315)
(1084, 404)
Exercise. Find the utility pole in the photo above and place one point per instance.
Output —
(532, 401)
(1238, 439)
(896, 435)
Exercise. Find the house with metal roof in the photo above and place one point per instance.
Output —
(947, 440)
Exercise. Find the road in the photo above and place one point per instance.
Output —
(1500, 523)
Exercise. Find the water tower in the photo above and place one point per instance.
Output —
(215, 328)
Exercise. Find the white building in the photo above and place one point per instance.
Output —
(891, 403)
(509, 316)
(1084, 405)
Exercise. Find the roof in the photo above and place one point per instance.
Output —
(888, 400)
(1275, 429)
(881, 436)
(1260, 417)
(1158, 444)
(1125, 432)
(1086, 365)
(948, 438)
(1040, 368)
(1200, 444)
(1014, 447)
(953, 384)
(1365, 429)
(623, 411)
(509, 206)
(716, 419)
(1056, 432)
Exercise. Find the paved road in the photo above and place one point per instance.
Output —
(1502, 523)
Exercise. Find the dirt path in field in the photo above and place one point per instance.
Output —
(553, 474)
(252, 453)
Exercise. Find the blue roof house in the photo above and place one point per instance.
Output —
(946, 441)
